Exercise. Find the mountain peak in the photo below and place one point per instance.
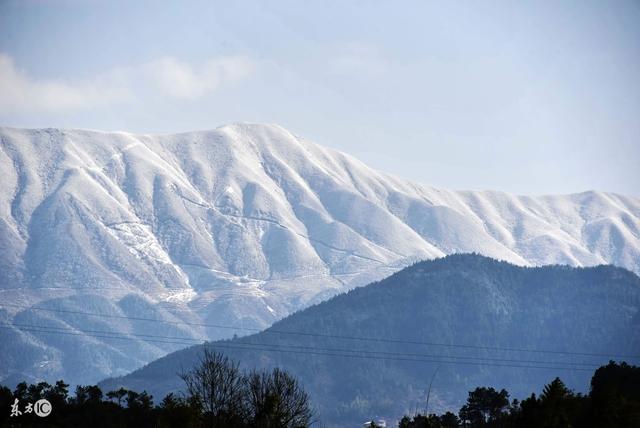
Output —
(246, 223)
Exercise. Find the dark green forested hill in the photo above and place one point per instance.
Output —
(496, 318)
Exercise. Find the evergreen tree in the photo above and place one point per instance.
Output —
(484, 406)
(615, 396)
(119, 395)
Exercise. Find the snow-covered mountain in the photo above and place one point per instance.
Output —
(238, 226)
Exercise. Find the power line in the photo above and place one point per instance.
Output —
(44, 329)
(477, 363)
(464, 357)
(127, 317)
(333, 336)
(192, 341)
(114, 333)
(309, 351)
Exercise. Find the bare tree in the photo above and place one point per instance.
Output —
(229, 398)
(218, 385)
(276, 400)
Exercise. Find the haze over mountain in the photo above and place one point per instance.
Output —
(463, 321)
(238, 226)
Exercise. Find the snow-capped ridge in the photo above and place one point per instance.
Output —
(248, 222)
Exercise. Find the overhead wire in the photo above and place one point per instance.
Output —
(244, 342)
(272, 330)
(278, 347)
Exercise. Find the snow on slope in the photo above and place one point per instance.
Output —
(237, 226)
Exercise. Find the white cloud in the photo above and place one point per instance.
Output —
(181, 80)
(164, 77)
(20, 93)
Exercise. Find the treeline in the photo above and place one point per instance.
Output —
(219, 394)
(613, 402)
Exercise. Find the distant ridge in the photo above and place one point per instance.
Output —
(242, 226)
(478, 322)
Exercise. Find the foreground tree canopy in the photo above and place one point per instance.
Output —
(219, 394)
(613, 402)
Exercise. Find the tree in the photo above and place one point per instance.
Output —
(140, 409)
(556, 405)
(484, 406)
(219, 397)
(20, 392)
(37, 391)
(176, 412)
(420, 421)
(139, 400)
(88, 394)
(615, 396)
(449, 420)
(405, 422)
(218, 383)
(276, 400)
(555, 392)
(526, 412)
(6, 399)
(57, 394)
(118, 394)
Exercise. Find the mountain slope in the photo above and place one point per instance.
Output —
(237, 226)
(480, 306)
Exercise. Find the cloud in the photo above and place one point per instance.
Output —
(181, 80)
(19, 93)
(165, 77)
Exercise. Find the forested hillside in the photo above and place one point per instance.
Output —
(459, 321)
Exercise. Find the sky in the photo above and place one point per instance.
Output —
(525, 97)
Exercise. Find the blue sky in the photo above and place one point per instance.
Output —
(526, 97)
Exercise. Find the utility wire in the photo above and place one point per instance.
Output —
(272, 330)
(192, 341)
(311, 351)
